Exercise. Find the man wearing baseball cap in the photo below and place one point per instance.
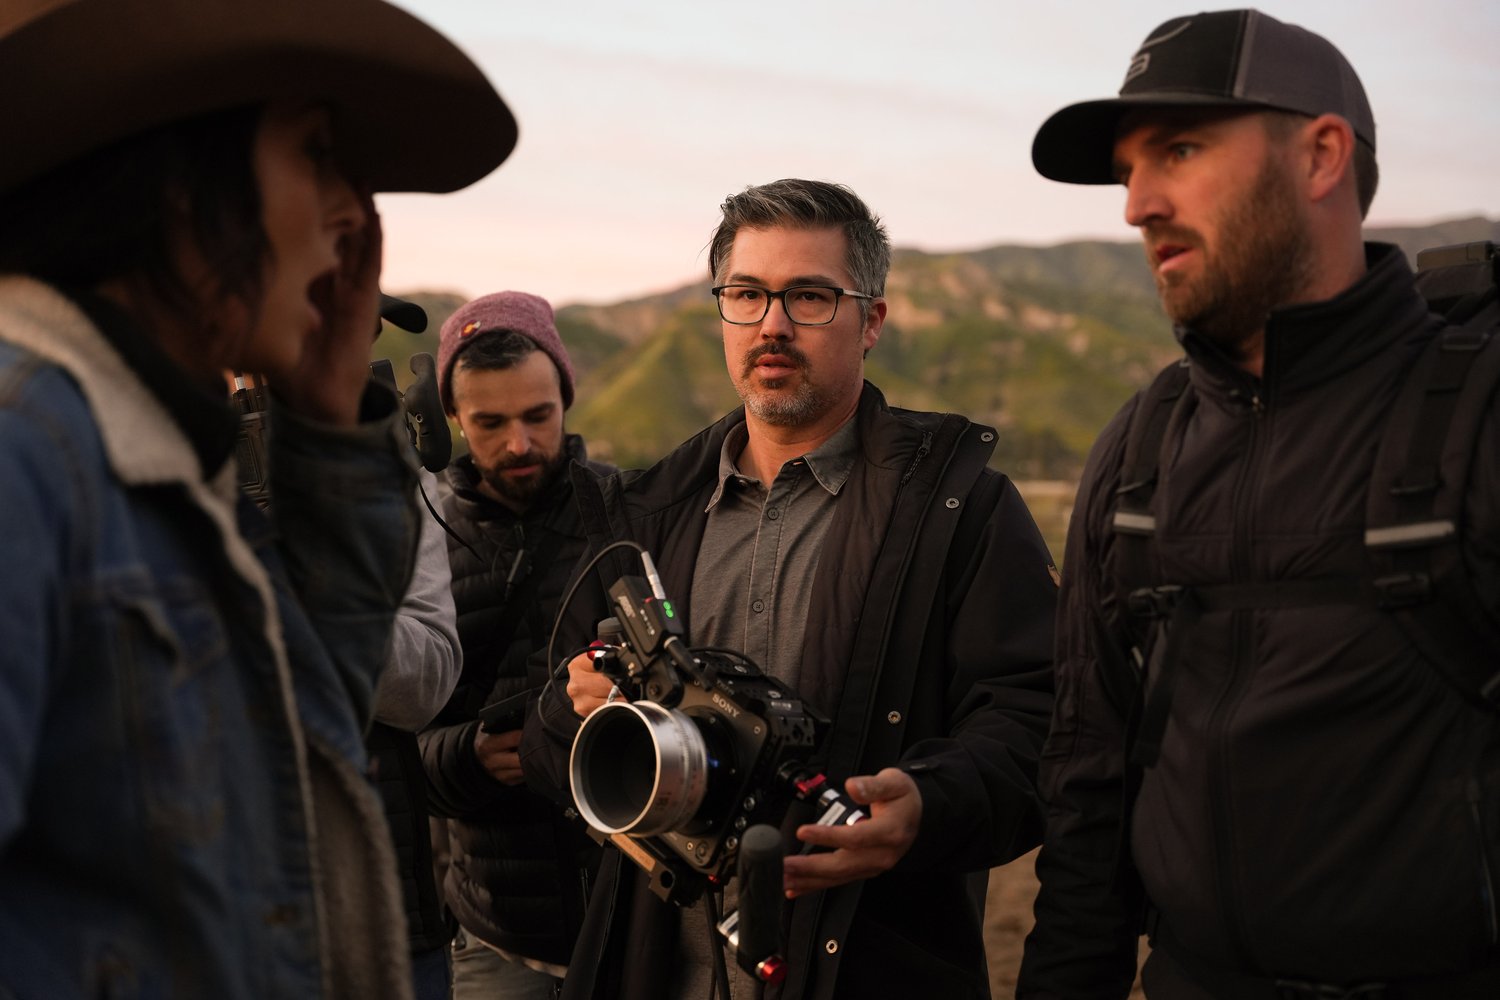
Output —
(520, 869)
(1251, 761)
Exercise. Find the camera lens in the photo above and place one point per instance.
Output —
(638, 768)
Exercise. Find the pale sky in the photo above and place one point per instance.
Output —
(637, 119)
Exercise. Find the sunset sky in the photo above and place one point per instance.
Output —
(637, 119)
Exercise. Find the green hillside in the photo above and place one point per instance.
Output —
(1044, 343)
(636, 405)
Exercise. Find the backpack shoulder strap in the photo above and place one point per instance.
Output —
(1414, 523)
(1133, 521)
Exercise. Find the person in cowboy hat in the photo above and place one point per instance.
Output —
(184, 682)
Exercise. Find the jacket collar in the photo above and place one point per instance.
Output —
(829, 463)
(1309, 344)
(143, 442)
(887, 438)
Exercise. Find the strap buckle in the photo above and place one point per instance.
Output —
(1464, 338)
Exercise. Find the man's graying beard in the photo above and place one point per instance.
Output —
(806, 402)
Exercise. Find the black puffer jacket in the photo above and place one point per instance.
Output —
(1325, 807)
(520, 867)
(932, 616)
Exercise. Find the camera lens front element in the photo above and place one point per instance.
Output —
(638, 768)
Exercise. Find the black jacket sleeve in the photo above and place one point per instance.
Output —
(457, 784)
(978, 780)
(1088, 910)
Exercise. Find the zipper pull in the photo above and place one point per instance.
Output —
(520, 568)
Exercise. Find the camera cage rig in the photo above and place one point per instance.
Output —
(702, 756)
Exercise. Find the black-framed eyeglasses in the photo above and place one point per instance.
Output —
(805, 305)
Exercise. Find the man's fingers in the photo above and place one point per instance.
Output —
(866, 848)
(508, 740)
(862, 834)
(890, 783)
(822, 871)
(812, 872)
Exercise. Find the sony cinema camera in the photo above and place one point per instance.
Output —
(703, 747)
(694, 769)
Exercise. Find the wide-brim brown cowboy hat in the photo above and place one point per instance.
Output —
(411, 109)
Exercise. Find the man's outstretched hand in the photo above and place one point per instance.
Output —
(865, 849)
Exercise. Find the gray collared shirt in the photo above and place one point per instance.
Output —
(751, 591)
(760, 550)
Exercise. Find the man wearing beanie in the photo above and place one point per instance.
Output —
(520, 869)
(1258, 758)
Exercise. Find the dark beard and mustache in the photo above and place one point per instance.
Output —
(1262, 262)
(521, 492)
(806, 402)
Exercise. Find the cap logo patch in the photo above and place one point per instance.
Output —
(469, 328)
(1166, 37)
(1141, 61)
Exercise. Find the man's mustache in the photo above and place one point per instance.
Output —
(530, 458)
(1154, 236)
(781, 350)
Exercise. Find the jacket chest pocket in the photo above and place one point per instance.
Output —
(176, 696)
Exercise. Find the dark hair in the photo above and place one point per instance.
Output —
(495, 350)
(1366, 176)
(117, 212)
(808, 205)
(1281, 124)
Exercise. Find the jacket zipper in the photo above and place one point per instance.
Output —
(922, 450)
(1240, 668)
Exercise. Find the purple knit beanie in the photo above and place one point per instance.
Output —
(519, 312)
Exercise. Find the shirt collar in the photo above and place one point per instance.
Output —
(830, 462)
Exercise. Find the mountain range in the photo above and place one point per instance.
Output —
(1043, 343)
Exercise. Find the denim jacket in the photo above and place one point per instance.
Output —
(183, 688)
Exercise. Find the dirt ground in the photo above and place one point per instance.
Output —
(1008, 920)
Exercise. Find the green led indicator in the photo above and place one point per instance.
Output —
(667, 607)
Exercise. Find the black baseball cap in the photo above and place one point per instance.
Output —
(1223, 59)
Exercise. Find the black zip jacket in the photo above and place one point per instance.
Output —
(943, 648)
(520, 868)
(1325, 806)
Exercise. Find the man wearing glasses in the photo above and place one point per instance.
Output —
(865, 557)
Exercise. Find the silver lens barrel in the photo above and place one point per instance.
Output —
(638, 768)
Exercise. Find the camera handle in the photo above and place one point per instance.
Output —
(754, 930)
(834, 807)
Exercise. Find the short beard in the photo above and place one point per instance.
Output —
(806, 403)
(1261, 263)
(521, 494)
